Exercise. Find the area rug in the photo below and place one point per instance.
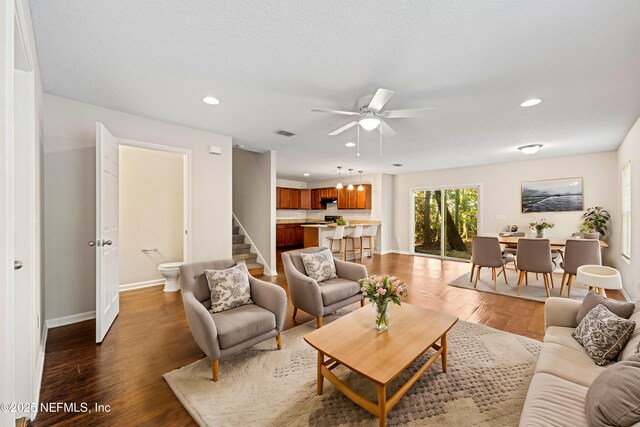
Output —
(488, 376)
(535, 291)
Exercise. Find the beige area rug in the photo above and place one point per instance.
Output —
(488, 376)
(535, 291)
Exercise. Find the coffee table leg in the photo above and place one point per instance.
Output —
(320, 377)
(443, 356)
(382, 405)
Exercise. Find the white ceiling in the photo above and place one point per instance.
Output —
(270, 62)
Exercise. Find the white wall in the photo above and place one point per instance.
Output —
(254, 201)
(70, 194)
(151, 212)
(500, 193)
(629, 151)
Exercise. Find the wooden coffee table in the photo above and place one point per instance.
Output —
(353, 341)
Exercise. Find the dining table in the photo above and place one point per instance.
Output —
(555, 243)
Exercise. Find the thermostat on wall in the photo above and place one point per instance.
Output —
(215, 150)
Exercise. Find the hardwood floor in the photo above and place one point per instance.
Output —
(151, 337)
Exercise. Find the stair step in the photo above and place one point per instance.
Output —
(236, 229)
(255, 269)
(241, 248)
(238, 238)
(247, 258)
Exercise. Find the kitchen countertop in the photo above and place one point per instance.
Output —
(351, 223)
(299, 221)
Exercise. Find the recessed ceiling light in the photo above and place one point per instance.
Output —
(350, 144)
(211, 100)
(530, 149)
(531, 102)
(306, 174)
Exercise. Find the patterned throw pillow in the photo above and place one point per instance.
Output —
(319, 265)
(603, 334)
(229, 288)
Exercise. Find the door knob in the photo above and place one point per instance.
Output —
(106, 242)
(92, 243)
(17, 265)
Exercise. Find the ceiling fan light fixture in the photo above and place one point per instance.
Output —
(530, 149)
(531, 102)
(369, 123)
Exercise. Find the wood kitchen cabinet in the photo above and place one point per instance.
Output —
(315, 199)
(364, 197)
(354, 199)
(342, 198)
(305, 199)
(294, 198)
(289, 235)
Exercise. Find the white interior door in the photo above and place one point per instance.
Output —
(106, 244)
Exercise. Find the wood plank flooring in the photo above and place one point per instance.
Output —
(151, 337)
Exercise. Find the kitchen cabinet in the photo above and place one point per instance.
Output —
(285, 200)
(294, 198)
(342, 198)
(364, 197)
(289, 235)
(305, 199)
(315, 199)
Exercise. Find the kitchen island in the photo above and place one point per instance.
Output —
(317, 234)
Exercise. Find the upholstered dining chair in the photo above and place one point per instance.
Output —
(220, 335)
(534, 256)
(486, 252)
(322, 298)
(578, 252)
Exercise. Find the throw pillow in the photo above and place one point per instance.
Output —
(319, 265)
(621, 308)
(229, 288)
(633, 346)
(603, 334)
(614, 396)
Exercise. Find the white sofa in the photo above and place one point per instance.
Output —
(564, 371)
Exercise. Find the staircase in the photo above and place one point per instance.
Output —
(242, 253)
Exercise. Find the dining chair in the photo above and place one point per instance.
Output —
(486, 252)
(578, 252)
(356, 234)
(369, 234)
(338, 236)
(534, 256)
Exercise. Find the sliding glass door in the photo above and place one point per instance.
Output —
(445, 220)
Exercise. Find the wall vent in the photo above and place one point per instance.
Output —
(284, 133)
(397, 165)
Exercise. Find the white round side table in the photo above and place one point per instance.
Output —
(600, 277)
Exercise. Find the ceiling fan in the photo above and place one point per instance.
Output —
(370, 115)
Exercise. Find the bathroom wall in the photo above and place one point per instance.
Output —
(151, 212)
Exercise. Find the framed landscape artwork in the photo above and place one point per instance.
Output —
(552, 195)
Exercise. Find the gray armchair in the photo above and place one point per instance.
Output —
(320, 299)
(220, 335)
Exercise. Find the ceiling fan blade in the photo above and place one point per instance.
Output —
(381, 97)
(415, 112)
(343, 128)
(387, 131)
(344, 113)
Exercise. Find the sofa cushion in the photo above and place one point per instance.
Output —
(229, 288)
(567, 363)
(242, 323)
(623, 309)
(562, 335)
(614, 397)
(603, 334)
(633, 345)
(553, 401)
(337, 289)
(319, 265)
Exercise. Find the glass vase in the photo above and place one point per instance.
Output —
(382, 316)
(540, 234)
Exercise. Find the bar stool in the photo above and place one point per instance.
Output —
(356, 234)
(370, 233)
(338, 235)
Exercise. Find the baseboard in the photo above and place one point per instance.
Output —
(39, 370)
(625, 294)
(68, 320)
(139, 285)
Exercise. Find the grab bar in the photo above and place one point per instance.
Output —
(149, 250)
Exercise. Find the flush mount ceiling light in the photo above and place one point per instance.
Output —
(350, 187)
(306, 174)
(369, 123)
(530, 149)
(339, 185)
(350, 144)
(360, 187)
(531, 102)
(211, 100)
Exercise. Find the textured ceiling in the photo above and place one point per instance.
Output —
(270, 62)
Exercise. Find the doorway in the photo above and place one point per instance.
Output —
(445, 219)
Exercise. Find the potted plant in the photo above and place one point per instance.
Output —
(539, 226)
(594, 225)
(381, 290)
(341, 221)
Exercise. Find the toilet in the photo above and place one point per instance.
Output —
(170, 271)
